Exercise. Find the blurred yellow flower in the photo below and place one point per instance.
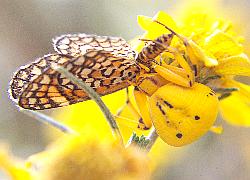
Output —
(12, 166)
(78, 157)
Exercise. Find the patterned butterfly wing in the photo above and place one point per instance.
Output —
(30, 72)
(78, 44)
(101, 70)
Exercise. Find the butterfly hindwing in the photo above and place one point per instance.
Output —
(78, 44)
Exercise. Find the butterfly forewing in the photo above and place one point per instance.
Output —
(101, 70)
(78, 44)
(29, 72)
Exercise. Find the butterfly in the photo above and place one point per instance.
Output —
(104, 63)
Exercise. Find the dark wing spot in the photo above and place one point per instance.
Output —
(130, 74)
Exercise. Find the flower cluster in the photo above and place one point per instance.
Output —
(80, 157)
(214, 47)
(89, 158)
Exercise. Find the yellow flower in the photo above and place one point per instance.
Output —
(217, 50)
(87, 157)
(13, 167)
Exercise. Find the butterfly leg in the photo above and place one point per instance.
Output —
(127, 102)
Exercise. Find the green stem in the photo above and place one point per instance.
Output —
(142, 141)
(93, 95)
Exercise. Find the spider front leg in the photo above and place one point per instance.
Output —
(183, 76)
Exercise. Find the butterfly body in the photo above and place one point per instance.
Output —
(154, 49)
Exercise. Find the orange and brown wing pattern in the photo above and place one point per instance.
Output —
(101, 70)
(30, 72)
(78, 44)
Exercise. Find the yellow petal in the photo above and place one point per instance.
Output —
(235, 111)
(216, 129)
(234, 65)
(222, 45)
(198, 26)
(244, 90)
(148, 24)
(137, 45)
(145, 22)
(198, 16)
(164, 18)
(196, 53)
(14, 168)
(154, 29)
(210, 62)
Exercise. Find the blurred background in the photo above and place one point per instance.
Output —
(27, 28)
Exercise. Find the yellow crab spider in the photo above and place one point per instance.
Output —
(180, 109)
